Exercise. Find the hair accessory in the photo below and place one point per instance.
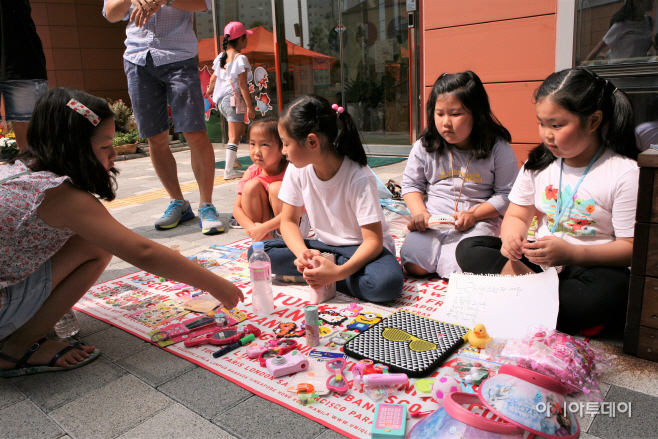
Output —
(338, 109)
(614, 91)
(86, 112)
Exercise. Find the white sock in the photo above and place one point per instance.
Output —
(231, 154)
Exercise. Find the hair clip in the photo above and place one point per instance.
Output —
(614, 91)
(83, 110)
(338, 109)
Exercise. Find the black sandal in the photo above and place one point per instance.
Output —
(23, 368)
(395, 189)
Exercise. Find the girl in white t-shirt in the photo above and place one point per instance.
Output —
(630, 34)
(232, 73)
(331, 180)
(585, 187)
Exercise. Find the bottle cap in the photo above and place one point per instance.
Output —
(258, 246)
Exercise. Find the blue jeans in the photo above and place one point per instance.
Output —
(20, 97)
(379, 281)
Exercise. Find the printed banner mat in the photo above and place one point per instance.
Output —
(138, 303)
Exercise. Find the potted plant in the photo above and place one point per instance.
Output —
(122, 115)
(8, 145)
(126, 143)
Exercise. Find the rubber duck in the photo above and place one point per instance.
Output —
(478, 336)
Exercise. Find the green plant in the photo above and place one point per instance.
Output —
(121, 114)
(131, 136)
(8, 146)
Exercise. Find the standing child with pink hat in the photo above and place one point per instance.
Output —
(232, 92)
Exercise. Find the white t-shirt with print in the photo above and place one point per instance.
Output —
(630, 39)
(230, 71)
(604, 206)
(337, 208)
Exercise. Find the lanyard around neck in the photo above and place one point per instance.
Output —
(560, 213)
(454, 191)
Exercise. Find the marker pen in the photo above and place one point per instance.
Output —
(233, 346)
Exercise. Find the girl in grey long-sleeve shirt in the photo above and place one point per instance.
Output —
(464, 164)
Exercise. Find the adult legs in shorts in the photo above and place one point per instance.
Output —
(151, 88)
(74, 269)
(380, 280)
(19, 97)
(589, 296)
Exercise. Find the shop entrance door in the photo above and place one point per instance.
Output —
(355, 53)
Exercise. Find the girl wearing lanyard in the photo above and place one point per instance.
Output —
(464, 164)
(585, 188)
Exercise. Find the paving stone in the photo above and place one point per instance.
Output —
(155, 365)
(330, 434)
(25, 420)
(89, 325)
(641, 424)
(115, 343)
(10, 393)
(185, 390)
(50, 391)
(628, 371)
(247, 419)
(187, 424)
(112, 410)
(585, 420)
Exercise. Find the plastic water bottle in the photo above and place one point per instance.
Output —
(68, 325)
(260, 270)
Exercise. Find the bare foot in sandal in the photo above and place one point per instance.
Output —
(46, 351)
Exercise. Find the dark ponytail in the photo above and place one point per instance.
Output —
(582, 92)
(224, 55)
(313, 114)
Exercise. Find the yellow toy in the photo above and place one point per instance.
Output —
(478, 336)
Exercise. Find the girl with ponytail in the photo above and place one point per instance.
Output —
(234, 73)
(331, 180)
(583, 180)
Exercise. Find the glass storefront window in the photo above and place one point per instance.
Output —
(353, 52)
(617, 40)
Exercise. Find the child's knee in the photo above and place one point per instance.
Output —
(253, 188)
(415, 270)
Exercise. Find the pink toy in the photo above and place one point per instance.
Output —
(571, 361)
(338, 109)
(385, 379)
(442, 387)
(352, 310)
(286, 364)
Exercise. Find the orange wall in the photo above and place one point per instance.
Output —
(83, 50)
(509, 44)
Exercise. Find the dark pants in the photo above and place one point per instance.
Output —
(379, 281)
(588, 296)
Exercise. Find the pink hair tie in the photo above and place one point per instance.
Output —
(338, 109)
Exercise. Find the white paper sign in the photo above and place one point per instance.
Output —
(505, 305)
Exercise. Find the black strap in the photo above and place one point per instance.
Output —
(20, 363)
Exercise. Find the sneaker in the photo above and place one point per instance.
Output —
(232, 175)
(177, 212)
(237, 164)
(234, 223)
(209, 220)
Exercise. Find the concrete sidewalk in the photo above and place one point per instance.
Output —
(136, 390)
